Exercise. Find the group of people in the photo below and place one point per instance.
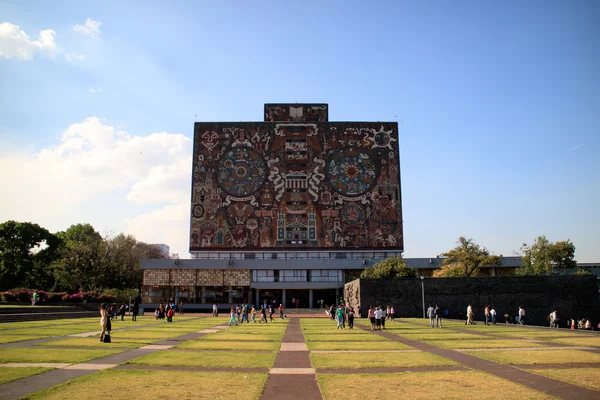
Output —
(168, 311)
(378, 315)
(247, 312)
(490, 316)
(342, 315)
(583, 323)
(435, 316)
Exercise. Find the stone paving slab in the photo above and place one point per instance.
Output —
(209, 331)
(187, 368)
(363, 351)
(528, 349)
(292, 371)
(91, 367)
(156, 347)
(293, 347)
(23, 387)
(286, 387)
(85, 334)
(391, 369)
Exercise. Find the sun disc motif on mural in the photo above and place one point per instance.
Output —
(351, 172)
(241, 172)
(353, 214)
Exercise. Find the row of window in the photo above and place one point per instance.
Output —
(294, 255)
(297, 275)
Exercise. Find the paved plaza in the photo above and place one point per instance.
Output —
(202, 358)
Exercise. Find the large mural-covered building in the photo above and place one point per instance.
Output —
(289, 207)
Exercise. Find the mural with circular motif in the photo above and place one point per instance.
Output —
(241, 172)
(351, 172)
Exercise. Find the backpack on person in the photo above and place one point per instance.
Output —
(106, 338)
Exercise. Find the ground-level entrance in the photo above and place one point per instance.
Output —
(296, 298)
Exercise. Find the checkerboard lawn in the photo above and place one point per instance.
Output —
(11, 374)
(457, 385)
(208, 359)
(126, 384)
(481, 344)
(358, 346)
(234, 336)
(377, 360)
(539, 356)
(25, 355)
(586, 377)
(579, 341)
(445, 335)
(214, 345)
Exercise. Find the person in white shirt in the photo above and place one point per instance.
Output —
(469, 315)
(430, 315)
(521, 316)
(392, 312)
(215, 311)
(378, 318)
(493, 315)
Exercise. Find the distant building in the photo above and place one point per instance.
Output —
(164, 248)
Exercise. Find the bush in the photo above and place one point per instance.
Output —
(56, 297)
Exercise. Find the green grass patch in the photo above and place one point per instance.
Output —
(334, 331)
(138, 334)
(208, 359)
(358, 346)
(586, 377)
(536, 334)
(539, 356)
(349, 337)
(242, 337)
(94, 342)
(454, 385)
(125, 385)
(238, 346)
(578, 341)
(377, 360)
(445, 335)
(24, 355)
(12, 374)
(481, 344)
(17, 338)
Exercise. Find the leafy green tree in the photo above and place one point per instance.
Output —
(26, 251)
(80, 265)
(466, 259)
(544, 257)
(393, 267)
(581, 271)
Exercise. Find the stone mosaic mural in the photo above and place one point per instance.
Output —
(297, 182)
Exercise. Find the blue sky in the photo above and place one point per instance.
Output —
(499, 107)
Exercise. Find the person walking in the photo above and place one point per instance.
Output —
(392, 313)
(371, 316)
(103, 320)
(521, 315)
(281, 316)
(487, 315)
(340, 317)
(232, 317)
(215, 311)
(438, 316)
(378, 318)
(271, 313)
(170, 314)
(351, 318)
(469, 315)
(244, 314)
(263, 314)
(180, 307)
(122, 311)
(430, 315)
(253, 314)
(135, 310)
(383, 317)
(493, 315)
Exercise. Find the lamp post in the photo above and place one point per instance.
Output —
(423, 293)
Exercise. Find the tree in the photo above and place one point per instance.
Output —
(544, 257)
(26, 251)
(393, 267)
(466, 259)
(80, 265)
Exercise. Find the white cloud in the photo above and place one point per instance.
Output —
(92, 160)
(573, 148)
(15, 43)
(75, 57)
(90, 27)
(95, 90)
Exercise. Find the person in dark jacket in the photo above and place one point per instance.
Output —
(135, 309)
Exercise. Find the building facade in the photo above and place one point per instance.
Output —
(285, 209)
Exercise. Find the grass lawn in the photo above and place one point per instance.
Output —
(538, 356)
(358, 346)
(481, 344)
(17, 338)
(423, 385)
(208, 359)
(182, 385)
(214, 345)
(142, 335)
(49, 332)
(334, 331)
(587, 377)
(536, 334)
(17, 355)
(11, 374)
(579, 341)
(377, 360)
(348, 336)
(445, 335)
(227, 336)
(95, 342)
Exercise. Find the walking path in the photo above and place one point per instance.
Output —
(292, 376)
(549, 386)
